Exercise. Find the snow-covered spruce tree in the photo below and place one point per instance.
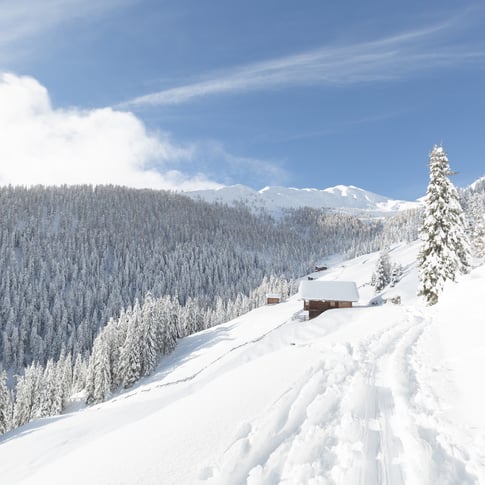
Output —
(445, 249)
(64, 373)
(26, 392)
(396, 273)
(149, 345)
(79, 374)
(166, 311)
(479, 238)
(382, 276)
(476, 217)
(98, 379)
(5, 404)
(130, 366)
(49, 396)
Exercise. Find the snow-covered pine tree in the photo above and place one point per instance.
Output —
(445, 249)
(64, 373)
(48, 392)
(130, 366)
(476, 216)
(79, 374)
(168, 310)
(479, 238)
(149, 345)
(5, 404)
(396, 273)
(25, 395)
(117, 331)
(382, 275)
(98, 381)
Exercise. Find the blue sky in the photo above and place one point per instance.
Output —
(193, 94)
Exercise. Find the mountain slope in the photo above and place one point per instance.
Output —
(71, 258)
(372, 394)
(349, 198)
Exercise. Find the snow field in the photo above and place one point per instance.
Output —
(385, 394)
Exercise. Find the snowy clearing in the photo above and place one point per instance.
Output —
(387, 394)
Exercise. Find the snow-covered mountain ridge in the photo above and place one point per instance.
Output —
(371, 394)
(341, 197)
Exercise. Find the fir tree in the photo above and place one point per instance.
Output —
(130, 355)
(79, 374)
(48, 392)
(382, 276)
(476, 216)
(5, 404)
(98, 380)
(26, 393)
(149, 344)
(64, 372)
(444, 251)
(396, 273)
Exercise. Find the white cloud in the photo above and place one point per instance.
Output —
(43, 145)
(384, 59)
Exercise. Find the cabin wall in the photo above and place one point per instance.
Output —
(344, 304)
(272, 301)
(316, 307)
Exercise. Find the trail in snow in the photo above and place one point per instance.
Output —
(333, 423)
(439, 455)
(349, 420)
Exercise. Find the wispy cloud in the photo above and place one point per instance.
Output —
(339, 127)
(384, 59)
(22, 20)
(220, 164)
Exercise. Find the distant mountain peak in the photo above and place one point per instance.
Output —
(348, 198)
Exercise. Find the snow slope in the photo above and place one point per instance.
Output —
(374, 394)
(346, 198)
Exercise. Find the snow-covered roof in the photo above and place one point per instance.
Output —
(273, 295)
(328, 290)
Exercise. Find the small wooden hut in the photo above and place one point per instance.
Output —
(272, 298)
(319, 296)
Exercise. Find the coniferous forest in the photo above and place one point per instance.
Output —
(96, 283)
(71, 258)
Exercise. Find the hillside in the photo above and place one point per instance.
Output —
(71, 258)
(373, 394)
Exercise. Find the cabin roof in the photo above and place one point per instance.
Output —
(273, 295)
(328, 290)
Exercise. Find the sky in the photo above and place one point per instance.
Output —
(185, 94)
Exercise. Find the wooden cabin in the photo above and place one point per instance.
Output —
(319, 296)
(272, 298)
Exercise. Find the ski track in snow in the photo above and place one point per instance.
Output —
(347, 422)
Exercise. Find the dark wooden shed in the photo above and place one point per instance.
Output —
(319, 296)
(272, 298)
